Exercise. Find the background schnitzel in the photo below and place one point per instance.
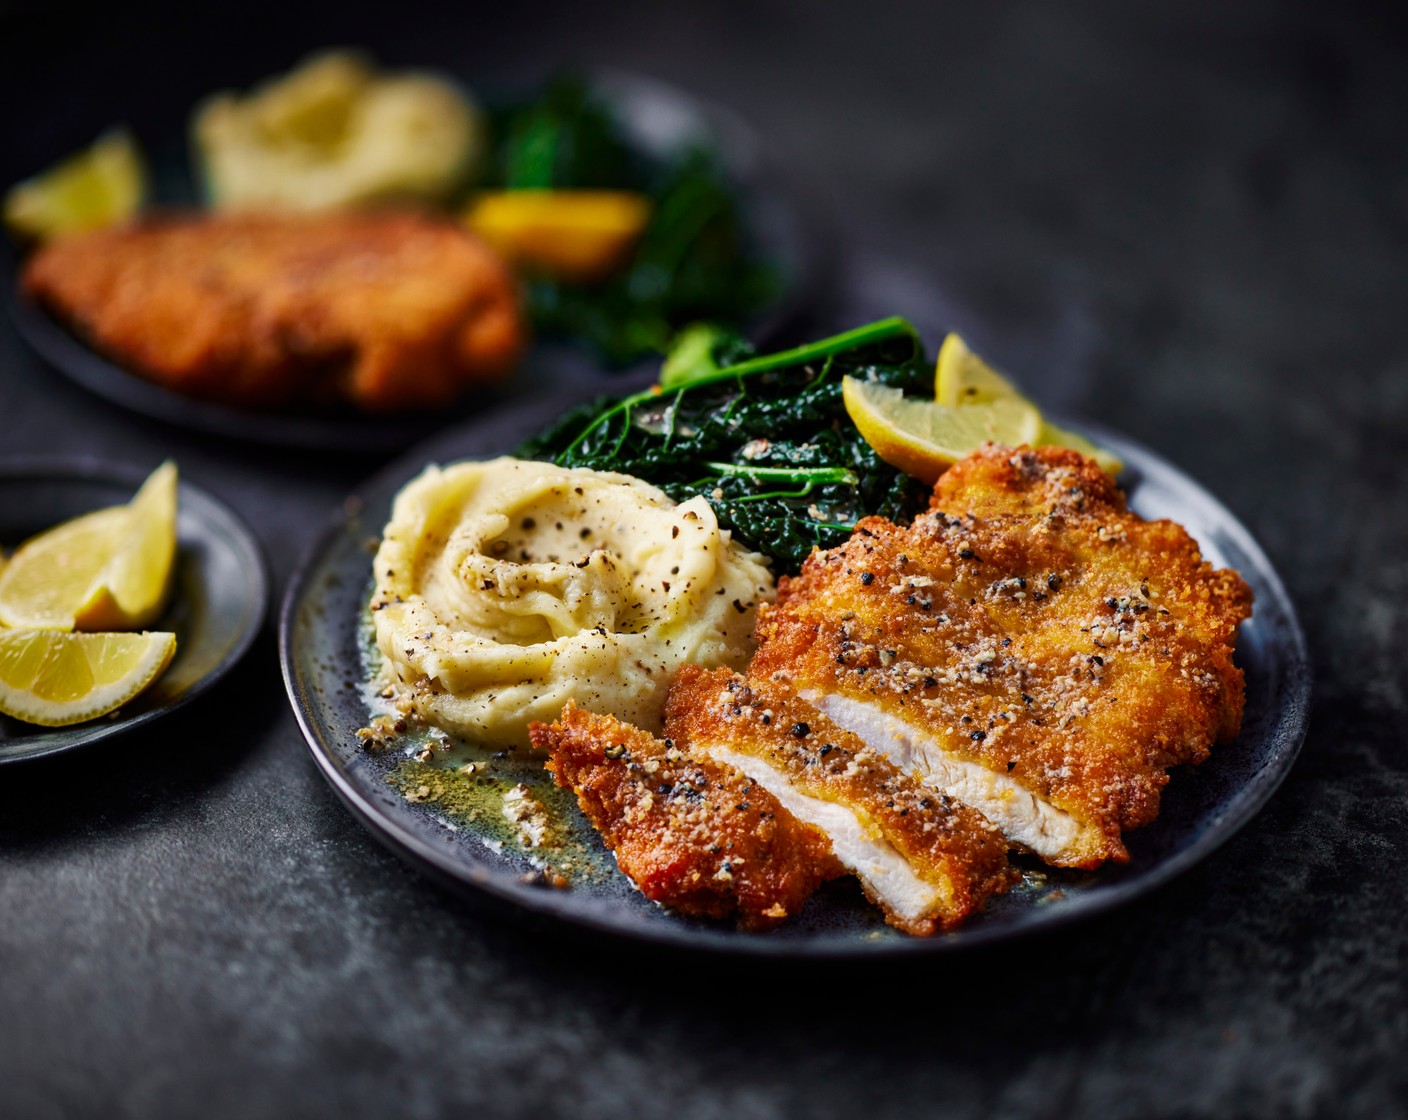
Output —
(386, 311)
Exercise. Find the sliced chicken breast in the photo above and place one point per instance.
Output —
(927, 861)
(692, 833)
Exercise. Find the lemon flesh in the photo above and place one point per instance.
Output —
(105, 570)
(130, 590)
(48, 577)
(923, 438)
(577, 235)
(99, 186)
(56, 679)
(961, 377)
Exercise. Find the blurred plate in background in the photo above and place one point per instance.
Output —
(659, 119)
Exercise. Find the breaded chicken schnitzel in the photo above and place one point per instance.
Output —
(1028, 646)
(925, 860)
(691, 833)
(383, 310)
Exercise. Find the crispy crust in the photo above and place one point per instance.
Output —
(1029, 623)
(946, 844)
(692, 834)
(385, 310)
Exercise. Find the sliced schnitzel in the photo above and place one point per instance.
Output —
(691, 833)
(1028, 646)
(383, 310)
(925, 860)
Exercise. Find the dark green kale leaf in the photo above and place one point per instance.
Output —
(765, 439)
(563, 137)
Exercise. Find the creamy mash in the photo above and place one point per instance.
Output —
(505, 588)
(337, 132)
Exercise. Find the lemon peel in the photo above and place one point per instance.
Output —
(55, 679)
(973, 404)
(924, 439)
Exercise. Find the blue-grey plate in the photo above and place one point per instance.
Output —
(658, 118)
(218, 604)
(323, 643)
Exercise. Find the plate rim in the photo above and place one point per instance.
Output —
(86, 468)
(535, 901)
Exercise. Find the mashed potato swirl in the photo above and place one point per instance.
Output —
(337, 132)
(504, 588)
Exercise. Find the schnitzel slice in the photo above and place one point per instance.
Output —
(691, 833)
(925, 860)
(384, 310)
(1028, 646)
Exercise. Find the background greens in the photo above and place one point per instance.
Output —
(694, 260)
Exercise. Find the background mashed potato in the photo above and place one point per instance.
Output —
(504, 588)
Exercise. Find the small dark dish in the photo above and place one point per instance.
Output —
(656, 117)
(218, 604)
(320, 648)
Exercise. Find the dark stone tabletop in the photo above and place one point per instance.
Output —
(1186, 221)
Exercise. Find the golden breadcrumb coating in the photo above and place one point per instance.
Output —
(384, 310)
(692, 834)
(950, 859)
(1028, 629)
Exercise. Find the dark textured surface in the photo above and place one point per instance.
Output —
(1186, 221)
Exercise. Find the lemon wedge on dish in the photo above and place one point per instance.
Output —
(108, 569)
(99, 186)
(48, 577)
(961, 377)
(130, 590)
(577, 235)
(923, 438)
(56, 679)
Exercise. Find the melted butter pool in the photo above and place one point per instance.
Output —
(497, 797)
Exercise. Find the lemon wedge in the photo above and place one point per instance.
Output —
(575, 235)
(962, 377)
(108, 569)
(923, 438)
(55, 679)
(130, 590)
(99, 186)
(48, 577)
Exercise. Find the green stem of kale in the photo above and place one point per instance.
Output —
(870, 333)
(815, 476)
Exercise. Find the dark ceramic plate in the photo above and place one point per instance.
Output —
(322, 635)
(219, 602)
(323, 641)
(658, 118)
